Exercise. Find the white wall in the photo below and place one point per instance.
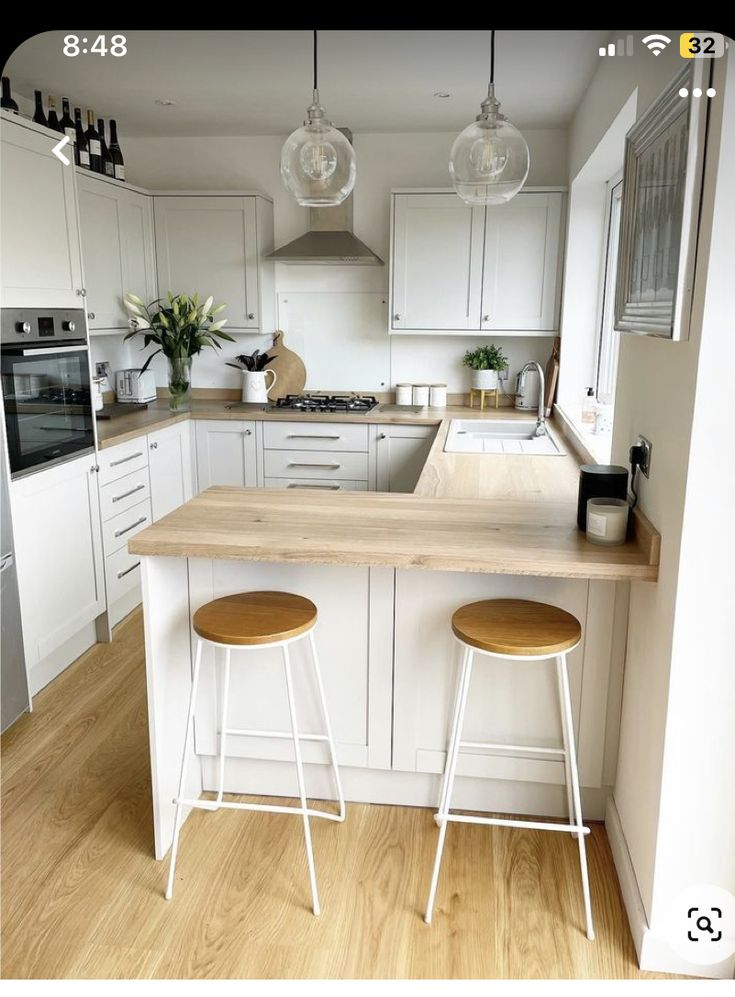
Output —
(384, 161)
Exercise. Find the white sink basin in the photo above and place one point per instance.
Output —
(499, 436)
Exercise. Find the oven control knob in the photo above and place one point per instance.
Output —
(23, 327)
(69, 326)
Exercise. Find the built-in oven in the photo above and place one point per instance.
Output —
(49, 414)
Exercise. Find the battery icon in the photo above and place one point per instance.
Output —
(701, 45)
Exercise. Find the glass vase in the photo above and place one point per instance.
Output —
(179, 384)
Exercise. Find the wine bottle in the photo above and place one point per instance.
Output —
(53, 121)
(81, 149)
(66, 120)
(108, 167)
(117, 156)
(38, 116)
(93, 143)
(6, 102)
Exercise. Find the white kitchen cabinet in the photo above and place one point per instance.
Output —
(58, 545)
(217, 244)
(170, 468)
(41, 259)
(436, 263)
(117, 248)
(401, 455)
(520, 280)
(458, 269)
(225, 453)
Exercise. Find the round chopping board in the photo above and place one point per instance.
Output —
(289, 369)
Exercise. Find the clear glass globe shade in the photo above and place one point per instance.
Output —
(318, 165)
(489, 162)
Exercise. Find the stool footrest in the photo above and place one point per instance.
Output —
(263, 807)
(513, 747)
(274, 733)
(531, 825)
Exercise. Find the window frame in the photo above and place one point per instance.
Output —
(606, 364)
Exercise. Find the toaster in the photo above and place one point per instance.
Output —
(132, 385)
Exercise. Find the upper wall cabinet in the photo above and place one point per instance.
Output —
(215, 244)
(41, 259)
(457, 269)
(118, 248)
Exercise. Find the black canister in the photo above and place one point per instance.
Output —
(599, 481)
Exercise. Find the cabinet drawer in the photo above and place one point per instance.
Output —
(315, 464)
(123, 494)
(317, 484)
(119, 529)
(118, 461)
(122, 571)
(315, 436)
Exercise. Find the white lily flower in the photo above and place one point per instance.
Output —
(218, 309)
(134, 299)
(207, 305)
(216, 326)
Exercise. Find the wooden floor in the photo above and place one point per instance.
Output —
(82, 895)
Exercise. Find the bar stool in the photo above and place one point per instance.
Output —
(523, 631)
(252, 621)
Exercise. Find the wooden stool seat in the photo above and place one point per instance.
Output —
(516, 626)
(251, 618)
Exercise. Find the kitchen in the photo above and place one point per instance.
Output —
(356, 475)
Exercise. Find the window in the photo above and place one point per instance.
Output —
(609, 340)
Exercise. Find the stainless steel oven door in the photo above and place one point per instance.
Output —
(49, 415)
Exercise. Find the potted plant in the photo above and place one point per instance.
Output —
(181, 327)
(485, 362)
(253, 367)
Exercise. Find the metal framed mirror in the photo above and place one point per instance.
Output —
(662, 183)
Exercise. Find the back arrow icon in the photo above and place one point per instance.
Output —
(58, 153)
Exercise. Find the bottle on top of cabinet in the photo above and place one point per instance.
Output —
(6, 102)
(589, 409)
(115, 152)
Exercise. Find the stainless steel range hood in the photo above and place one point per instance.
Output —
(330, 238)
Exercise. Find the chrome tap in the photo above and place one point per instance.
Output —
(541, 420)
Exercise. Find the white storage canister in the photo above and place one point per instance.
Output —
(404, 394)
(421, 394)
(438, 395)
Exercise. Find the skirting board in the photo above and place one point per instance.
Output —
(655, 955)
(60, 659)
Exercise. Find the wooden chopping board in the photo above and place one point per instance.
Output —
(289, 369)
(552, 375)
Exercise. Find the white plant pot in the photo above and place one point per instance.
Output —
(484, 379)
(254, 388)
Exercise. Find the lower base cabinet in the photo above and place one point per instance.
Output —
(401, 455)
(225, 453)
(170, 467)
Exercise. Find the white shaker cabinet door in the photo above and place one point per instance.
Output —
(209, 245)
(520, 285)
(225, 453)
(401, 455)
(436, 263)
(41, 260)
(170, 467)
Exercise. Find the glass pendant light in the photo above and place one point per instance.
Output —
(317, 161)
(489, 160)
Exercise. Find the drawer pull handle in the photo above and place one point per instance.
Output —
(329, 488)
(118, 498)
(124, 460)
(311, 436)
(328, 467)
(121, 574)
(126, 529)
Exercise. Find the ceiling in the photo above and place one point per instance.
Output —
(259, 82)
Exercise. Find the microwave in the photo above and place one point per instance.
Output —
(134, 385)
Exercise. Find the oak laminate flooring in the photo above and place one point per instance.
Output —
(82, 895)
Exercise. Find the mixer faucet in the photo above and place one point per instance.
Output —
(541, 420)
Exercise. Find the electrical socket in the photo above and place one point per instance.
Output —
(646, 447)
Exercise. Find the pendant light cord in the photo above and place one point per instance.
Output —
(492, 58)
(316, 83)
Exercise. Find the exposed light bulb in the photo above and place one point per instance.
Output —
(488, 156)
(318, 158)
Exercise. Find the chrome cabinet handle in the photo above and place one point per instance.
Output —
(118, 498)
(311, 436)
(329, 467)
(91, 316)
(154, 446)
(382, 436)
(121, 574)
(251, 315)
(329, 488)
(94, 469)
(124, 460)
(247, 432)
(396, 318)
(81, 292)
(126, 529)
(485, 318)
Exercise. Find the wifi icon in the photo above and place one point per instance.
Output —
(656, 43)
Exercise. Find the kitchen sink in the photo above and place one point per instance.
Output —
(499, 436)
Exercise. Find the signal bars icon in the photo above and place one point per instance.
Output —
(623, 46)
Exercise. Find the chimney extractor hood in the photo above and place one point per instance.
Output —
(330, 238)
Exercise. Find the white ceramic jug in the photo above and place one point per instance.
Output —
(254, 388)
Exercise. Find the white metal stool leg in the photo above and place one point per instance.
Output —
(184, 765)
(449, 773)
(300, 778)
(565, 741)
(327, 725)
(569, 725)
(223, 726)
(453, 733)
